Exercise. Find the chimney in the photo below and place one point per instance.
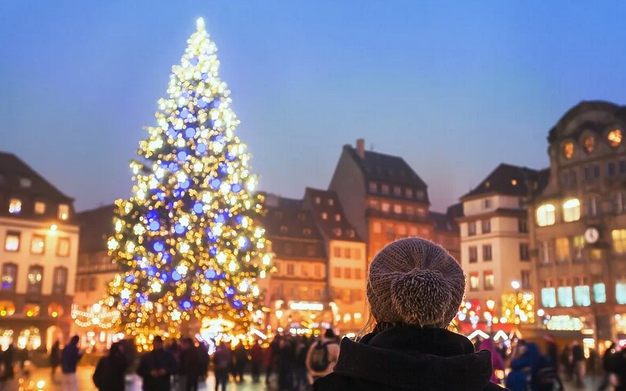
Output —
(360, 147)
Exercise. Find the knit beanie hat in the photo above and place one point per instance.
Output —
(415, 281)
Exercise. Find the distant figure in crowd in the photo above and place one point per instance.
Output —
(497, 364)
(592, 363)
(286, 364)
(23, 356)
(203, 360)
(189, 365)
(618, 367)
(567, 363)
(607, 366)
(221, 361)
(525, 357)
(55, 358)
(156, 368)
(323, 355)
(110, 373)
(271, 358)
(241, 358)
(256, 359)
(301, 371)
(414, 289)
(7, 359)
(69, 359)
(578, 361)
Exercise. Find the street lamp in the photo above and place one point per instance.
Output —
(515, 284)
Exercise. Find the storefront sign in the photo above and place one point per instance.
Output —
(306, 306)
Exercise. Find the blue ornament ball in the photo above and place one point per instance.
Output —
(190, 132)
(158, 246)
(201, 148)
(176, 276)
(198, 207)
(215, 183)
(237, 304)
(210, 274)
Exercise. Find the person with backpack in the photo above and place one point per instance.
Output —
(414, 289)
(322, 356)
(526, 357)
(69, 359)
(545, 375)
(110, 373)
(157, 367)
(221, 362)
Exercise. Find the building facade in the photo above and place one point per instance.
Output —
(382, 196)
(578, 223)
(39, 252)
(495, 247)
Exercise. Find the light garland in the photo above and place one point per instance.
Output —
(96, 316)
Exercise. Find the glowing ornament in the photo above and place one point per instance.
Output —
(185, 184)
(130, 247)
(190, 132)
(205, 289)
(130, 278)
(185, 304)
(125, 294)
(184, 248)
(176, 276)
(198, 208)
(175, 315)
(242, 242)
(156, 287)
(230, 291)
(184, 113)
(118, 225)
(237, 304)
(182, 155)
(182, 269)
(232, 267)
(210, 274)
(179, 228)
(197, 167)
(215, 183)
(112, 244)
(201, 148)
(154, 225)
(221, 258)
(158, 246)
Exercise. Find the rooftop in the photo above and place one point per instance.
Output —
(443, 222)
(329, 215)
(96, 226)
(510, 180)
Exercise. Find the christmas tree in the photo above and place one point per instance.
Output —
(188, 242)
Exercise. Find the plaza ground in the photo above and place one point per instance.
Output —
(134, 383)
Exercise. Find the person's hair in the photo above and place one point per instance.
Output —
(329, 333)
(74, 340)
(157, 339)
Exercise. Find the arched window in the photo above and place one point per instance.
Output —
(589, 143)
(9, 276)
(35, 277)
(614, 138)
(568, 150)
(59, 281)
(571, 210)
(546, 215)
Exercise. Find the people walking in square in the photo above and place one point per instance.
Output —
(54, 359)
(322, 355)
(110, 373)
(69, 359)
(256, 359)
(579, 364)
(221, 363)
(157, 367)
(189, 365)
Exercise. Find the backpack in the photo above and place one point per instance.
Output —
(319, 357)
(101, 375)
(544, 375)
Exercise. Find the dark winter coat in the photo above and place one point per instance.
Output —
(190, 363)
(157, 359)
(55, 355)
(111, 373)
(70, 357)
(578, 353)
(410, 358)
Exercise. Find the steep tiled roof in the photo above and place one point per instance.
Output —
(506, 179)
(443, 222)
(14, 169)
(335, 225)
(96, 226)
(386, 168)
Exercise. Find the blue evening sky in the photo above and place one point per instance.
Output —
(454, 87)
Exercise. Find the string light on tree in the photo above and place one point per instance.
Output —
(188, 241)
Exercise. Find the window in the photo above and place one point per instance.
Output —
(59, 280)
(385, 189)
(473, 254)
(622, 167)
(291, 269)
(596, 171)
(306, 231)
(284, 229)
(37, 244)
(546, 215)
(331, 202)
(397, 209)
(401, 230)
(614, 138)
(357, 274)
(397, 191)
(373, 187)
(573, 179)
(15, 206)
(620, 292)
(420, 195)
(611, 170)
(546, 251)
(487, 203)
(373, 204)
(582, 295)
(304, 270)
(562, 250)
(287, 248)
(565, 296)
(40, 208)
(385, 207)
(589, 143)
(317, 270)
(347, 253)
(347, 273)
(565, 179)
(408, 193)
(412, 231)
(337, 251)
(526, 283)
(578, 244)
(357, 253)
(12, 241)
(524, 252)
(486, 226)
(35, 275)
(487, 256)
(599, 292)
(522, 225)
(26, 182)
(592, 210)
(409, 210)
(324, 216)
(337, 231)
(568, 150)
(587, 174)
(618, 203)
(310, 250)
(9, 276)
(548, 297)
(64, 211)
(489, 280)
(471, 228)
(337, 217)
(318, 200)
(377, 227)
(619, 241)
(571, 210)
(337, 272)
(474, 281)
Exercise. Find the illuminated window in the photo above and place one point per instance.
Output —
(385, 207)
(571, 210)
(377, 227)
(318, 200)
(291, 269)
(331, 202)
(397, 209)
(401, 230)
(337, 251)
(582, 295)
(324, 216)
(15, 206)
(489, 280)
(373, 204)
(486, 226)
(487, 203)
(317, 270)
(546, 215)
(578, 244)
(565, 296)
(487, 252)
(59, 280)
(347, 273)
(337, 272)
(471, 228)
(310, 250)
(409, 210)
(618, 202)
(347, 253)
(420, 195)
(32, 310)
(337, 217)
(55, 310)
(562, 250)
(619, 241)
(40, 208)
(614, 138)
(9, 276)
(357, 253)
(592, 207)
(525, 279)
(373, 187)
(473, 254)
(357, 274)
(599, 292)
(397, 191)
(408, 193)
(568, 150)
(589, 143)
(12, 241)
(7, 308)
(548, 297)
(64, 211)
(35, 275)
(620, 292)
(474, 281)
(385, 189)
(38, 244)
